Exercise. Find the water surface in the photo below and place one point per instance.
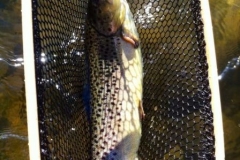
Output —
(13, 125)
(226, 26)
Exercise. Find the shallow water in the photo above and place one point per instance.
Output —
(226, 25)
(13, 128)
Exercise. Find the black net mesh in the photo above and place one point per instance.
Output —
(176, 95)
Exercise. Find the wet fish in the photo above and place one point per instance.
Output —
(115, 66)
(113, 17)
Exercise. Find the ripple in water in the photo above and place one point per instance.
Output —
(11, 135)
(231, 65)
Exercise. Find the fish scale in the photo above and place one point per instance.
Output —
(115, 68)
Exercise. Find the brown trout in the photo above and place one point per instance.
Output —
(115, 66)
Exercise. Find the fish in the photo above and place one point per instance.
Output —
(115, 70)
(113, 17)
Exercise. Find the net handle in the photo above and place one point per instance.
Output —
(213, 80)
(30, 80)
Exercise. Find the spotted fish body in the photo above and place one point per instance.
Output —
(115, 67)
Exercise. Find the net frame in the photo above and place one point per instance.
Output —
(213, 81)
(30, 81)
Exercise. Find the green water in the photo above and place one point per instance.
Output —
(13, 125)
(226, 25)
(13, 128)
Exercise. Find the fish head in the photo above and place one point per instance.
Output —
(106, 16)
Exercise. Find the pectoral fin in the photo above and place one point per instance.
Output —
(141, 111)
(129, 37)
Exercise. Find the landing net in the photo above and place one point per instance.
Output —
(176, 92)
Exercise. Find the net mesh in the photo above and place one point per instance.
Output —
(176, 95)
